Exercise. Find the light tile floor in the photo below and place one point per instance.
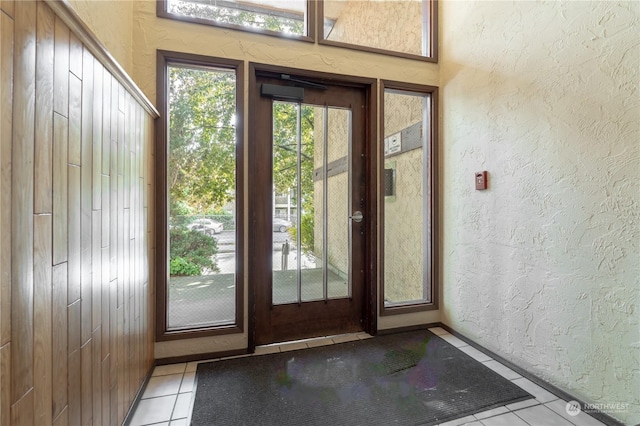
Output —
(168, 398)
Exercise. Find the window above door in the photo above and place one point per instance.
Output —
(402, 28)
(405, 28)
(283, 18)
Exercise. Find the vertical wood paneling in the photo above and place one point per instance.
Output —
(5, 373)
(105, 322)
(42, 302)
(75, 119)
(86, 186)
(113, 181)
(96, 271)
(73, 327)
(98, 105)
(59, 339)
(43, 201)
(61, 70)
(60, 188)
(7, 6)
(75, 55)
(126, 157)
(73, 237)
(22, 203)
(106, 121)
(62, 419)
(105, 233)
(126, 301)
(96, 375)
(120, 363)
(86, 380)
(76, 337)
(22, 410)
(74, 384)
(105, 391)
(113, 399)
(42, 223)
(6, 118)
(113, 334)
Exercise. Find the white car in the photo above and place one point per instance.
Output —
(206, 226)
(281, 225)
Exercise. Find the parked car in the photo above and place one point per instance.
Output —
(281, 225)
(206, 226)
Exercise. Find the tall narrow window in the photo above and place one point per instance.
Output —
(201, 258)
(408, 199)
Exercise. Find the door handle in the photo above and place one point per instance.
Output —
(357, 216)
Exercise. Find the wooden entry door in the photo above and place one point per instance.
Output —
(308, 185)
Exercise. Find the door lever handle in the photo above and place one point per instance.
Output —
(357, 216)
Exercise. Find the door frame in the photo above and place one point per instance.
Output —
(370, 289)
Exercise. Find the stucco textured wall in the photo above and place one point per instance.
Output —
(393, 25)
(338, 126)
(404, 212)
(544, 266)
(112, 22)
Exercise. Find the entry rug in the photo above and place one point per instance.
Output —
(411, 378)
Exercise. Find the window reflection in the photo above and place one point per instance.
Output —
(406, 200)
(394, 26)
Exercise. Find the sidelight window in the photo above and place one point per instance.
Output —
(200, 199)
(409, 201)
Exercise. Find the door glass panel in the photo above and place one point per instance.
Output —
(337, 202)
(311, 201)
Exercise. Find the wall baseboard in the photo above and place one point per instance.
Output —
(134, 405)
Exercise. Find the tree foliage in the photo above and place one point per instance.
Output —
(202, 137)
(202, 144)
(262, 19)
(191, 252)
(285, 162)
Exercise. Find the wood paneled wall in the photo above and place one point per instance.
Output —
(76, 332)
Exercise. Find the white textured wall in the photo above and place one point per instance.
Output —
(543, 268)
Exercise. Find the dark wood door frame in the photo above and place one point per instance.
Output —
(256, 197)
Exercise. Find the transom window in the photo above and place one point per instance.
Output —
(398, 27)
(279, 17)
(405, 28)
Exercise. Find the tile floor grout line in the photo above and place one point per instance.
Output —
(175, 402)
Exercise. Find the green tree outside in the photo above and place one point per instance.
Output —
(202, 149)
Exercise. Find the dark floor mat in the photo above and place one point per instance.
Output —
(413, 378)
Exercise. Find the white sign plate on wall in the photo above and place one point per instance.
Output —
(393, 144)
